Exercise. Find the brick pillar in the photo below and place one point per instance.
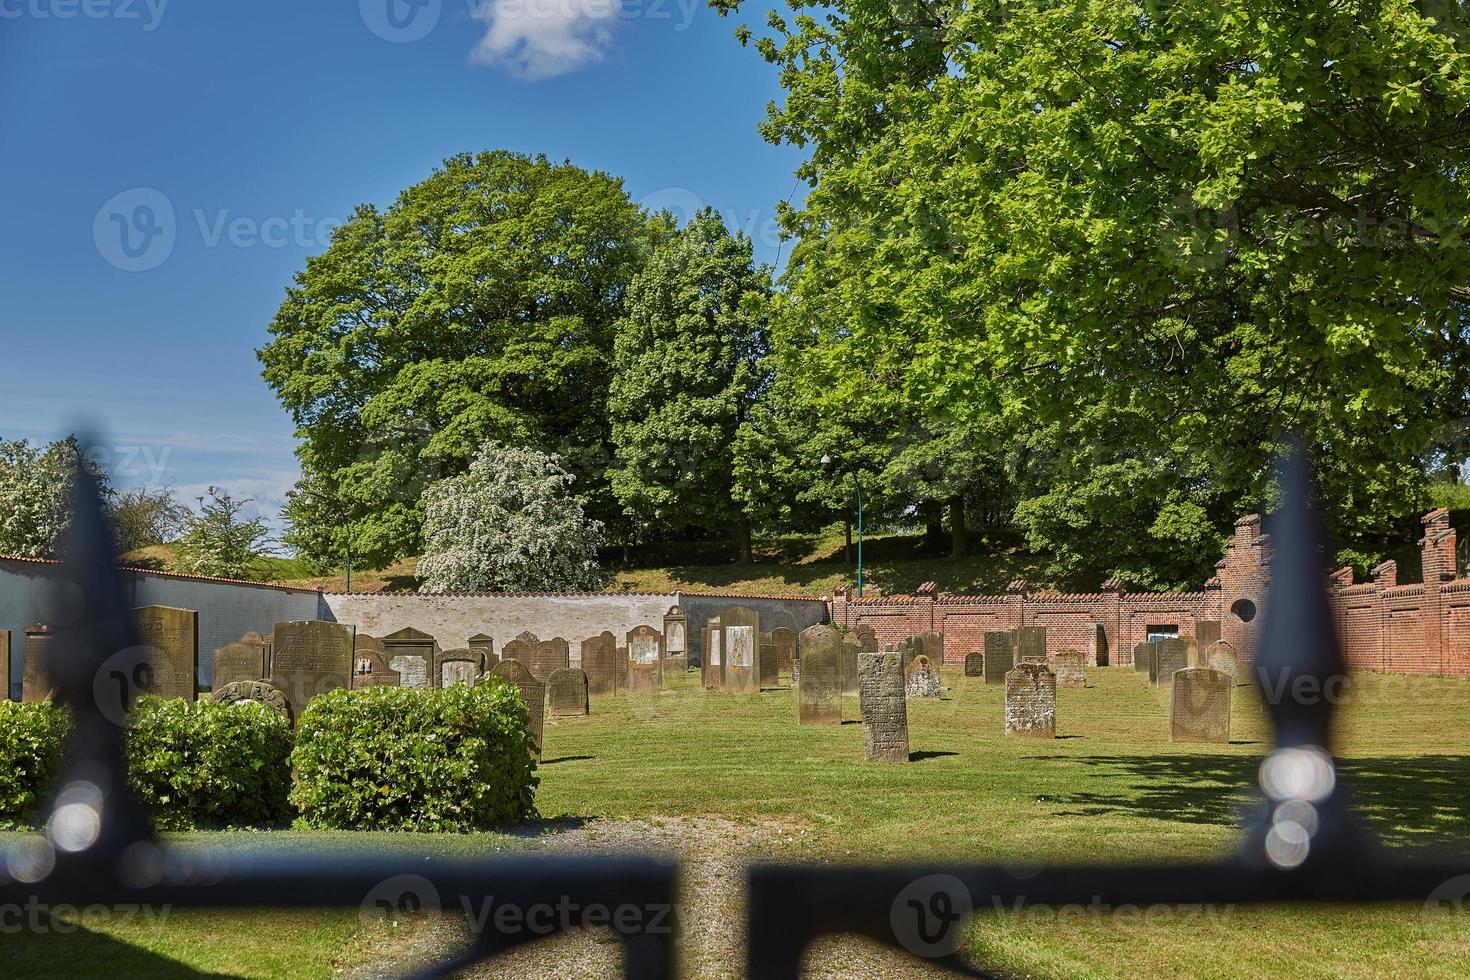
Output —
(1112, 621)
(1016, 604)
(837, 607)
(1438, 550)
(1385, 577)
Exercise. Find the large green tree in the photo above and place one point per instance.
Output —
(1141, 239)
(479, 306)
(686, 371)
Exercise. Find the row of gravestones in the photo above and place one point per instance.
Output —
(740, 658)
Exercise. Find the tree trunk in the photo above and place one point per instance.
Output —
(626, 555)
(933, 528)
(746, 556)
(847, 542)
(957, 527)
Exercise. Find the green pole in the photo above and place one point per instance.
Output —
(858, 480)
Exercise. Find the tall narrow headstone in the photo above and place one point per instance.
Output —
(999, 657)
(1206, 633)
(411, 652)
(1169, 656)
(848, 658)
(566, 693)
(975, 665)
(1221, 656)
(931, 645)
(921, 680)
(1031, 644)
(712, 674)
(742, 641)
(1192, 652)
(1099, 654)
(4, 665)
(884, 707)
(819, 695)
(36, 676)
(1143, 656)
(1031, 701)
(310, 658)
(244, 660)
(783, 642)
(371, 669)
(645, 660)
(607, 673)
(907, 649)
(533, 692)
(171, 637)
(1199, 709)
(462, 666)
(1071, 669)
(486, 645)
(676, 641)
(770, 669)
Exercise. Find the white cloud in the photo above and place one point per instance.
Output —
(538, 39)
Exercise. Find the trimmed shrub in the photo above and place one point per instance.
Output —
(32, 742)
(398, 758)
(206, 764)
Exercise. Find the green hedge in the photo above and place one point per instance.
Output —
(397, 758)
(32, 740)
(207, 764)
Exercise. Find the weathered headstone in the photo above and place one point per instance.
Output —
(1221, 656)
(931, 645)
(712, 674)
(486, 645)
(867, 638)
(171, 637)
(884, 707)
(363, 641)
(1199, 708)
(999, 657)
(819, 695)
(533, 692)
(4, 665)
(742, 642)
(676, 641)
(1143, 655)
(541, 657)
(247, 659)
(645, 660)
(606, 672)
(310, 658)
(1031, 644)
(411, 652)
(1192, 652)
(770, 669)
(783, 643)
(909, 648)
(1098, 655)
(1071, 669)
(1169, 655)
(370, 669)
(566, 693)
(462, 666)
(259, 692)
(35, 676)
(921, 680)
(975, 664)
(1031, 701)
(848, 662)
(1206, 634)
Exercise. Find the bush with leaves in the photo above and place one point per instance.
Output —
(36, 493)
(219, 540)
(511, 524)
(146, 516)
(400, 758)
(32, 741)
(208, 764)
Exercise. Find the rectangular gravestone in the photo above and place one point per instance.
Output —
(1221, 656)
(486, 645)
(36, 676)
(999, 657)
(770, 672)
(411, 652)
(311, 658)
(851, 650)
(4, 665)
(645, 660)
(742, 639)
(1031, 644)
(712, 674)
(1071, 669)
(1031, 701)
(1170, 655)
(819, 693)
(783, 642)
(532, 691)
(908, 649)
(931, 645)
(884, 707)
(1206, 632)
(1143, 655)
(462, 666)
(676, 642)
(247, 659)
(975, 665)
(607, 672)
(172, 639)
(541, 657)
(1199, 709)
(566, 693)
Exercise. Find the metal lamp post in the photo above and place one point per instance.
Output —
(857, 481)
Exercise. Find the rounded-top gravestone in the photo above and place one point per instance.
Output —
(921, 679)
(1031, 701)
(974, 665)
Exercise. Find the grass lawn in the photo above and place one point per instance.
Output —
(1111, 787)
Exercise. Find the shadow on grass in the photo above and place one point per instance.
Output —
(567, 758)
(921, 756)
(1406, 800)
(81, 952)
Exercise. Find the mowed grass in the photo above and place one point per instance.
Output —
(1111, 787)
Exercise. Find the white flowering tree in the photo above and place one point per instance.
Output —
(510, 524)
(36, 494)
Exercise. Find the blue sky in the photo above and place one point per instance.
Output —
(226, 138)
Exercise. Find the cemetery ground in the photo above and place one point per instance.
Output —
(723, 779)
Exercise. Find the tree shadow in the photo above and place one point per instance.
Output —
(78, 951)
(921, 756)
(567, 758)
(1419, 800)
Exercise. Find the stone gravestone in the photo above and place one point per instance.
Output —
(1191, 652)
(676, 641)
(884, 705)
(1169, 655)
(370, 669)
(848, 656)
(462, 666)
(486, 645)
(259, 692)
(908, 649)
(712, 674)
(645, 660)
(411, 653)
(921, 680)
(1199, 708)
(244, 660)
(1031, 644)
(533, 692)
(4, 665)
(1098, 655)
(35, 677)
(363, 641)
(931, 645)
(606, 672)
(540, 657)
(770, 672)
(1143, 656)
(1071, 669)
(566, 693)
(172, 638)
(1206, 634)
(310, 658)
(999, 657)
(974, 665)
(1221, 656)
(783, 643)
(819, 695)
(1031, 701)
(867, 638)
(742, 641)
